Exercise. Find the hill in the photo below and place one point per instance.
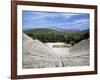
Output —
(57, 34)
(63, 30)
(41, 31)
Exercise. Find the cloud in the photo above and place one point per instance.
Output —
(76, 24)
(68, 15)
(43, 15)
(63, 20)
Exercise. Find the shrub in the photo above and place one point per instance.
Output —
(72, 43)
(86, 35)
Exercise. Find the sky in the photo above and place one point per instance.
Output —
(64, 20)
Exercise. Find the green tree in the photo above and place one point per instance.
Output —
(86, 35)
(72, 43)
